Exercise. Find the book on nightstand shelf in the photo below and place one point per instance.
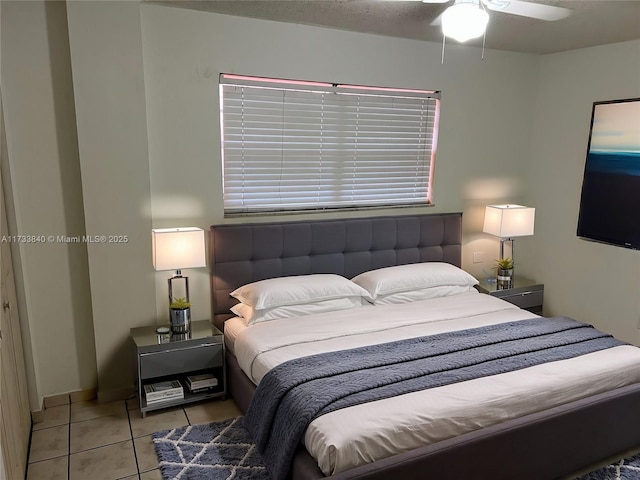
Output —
(164, 400)
(201, 383)
(163, 391)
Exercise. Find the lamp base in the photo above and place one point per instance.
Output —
(180, 320)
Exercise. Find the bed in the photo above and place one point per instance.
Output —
(551, 442)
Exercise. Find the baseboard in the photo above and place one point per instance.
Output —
(57, 400)
(37, 416)
(105, 396)
(69, 397)
(80, 396)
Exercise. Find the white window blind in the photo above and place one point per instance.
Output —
(290, 145)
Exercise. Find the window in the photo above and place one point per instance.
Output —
(292, 146)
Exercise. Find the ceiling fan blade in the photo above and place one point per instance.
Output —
(528, 9)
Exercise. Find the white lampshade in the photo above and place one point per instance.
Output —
(464, 21)
(507, 221)
(178, 248)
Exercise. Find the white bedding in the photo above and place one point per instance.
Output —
(350, 437)
(232, 329)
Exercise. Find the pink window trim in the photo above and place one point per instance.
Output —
(230, 76)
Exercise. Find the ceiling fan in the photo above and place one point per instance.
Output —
(467, 19)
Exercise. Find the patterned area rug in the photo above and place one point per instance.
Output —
(224, 451)
(627, 469)
(216, 451)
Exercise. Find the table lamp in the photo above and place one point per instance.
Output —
(507, 222)
(177, 249)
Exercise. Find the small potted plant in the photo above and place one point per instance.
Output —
(180, 314)
(504, 271)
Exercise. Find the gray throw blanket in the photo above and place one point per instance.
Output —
(294, 393)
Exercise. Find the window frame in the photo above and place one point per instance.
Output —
(430, 101)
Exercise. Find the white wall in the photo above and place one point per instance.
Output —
(592, 282)
(486, 111)
(42, 162)
(106, 56)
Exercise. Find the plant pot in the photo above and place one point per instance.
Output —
(505, 279)
(180, 320)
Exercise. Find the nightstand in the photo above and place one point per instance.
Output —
(525, 293)
(167, 357)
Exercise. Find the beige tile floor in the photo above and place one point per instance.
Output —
(109, 441)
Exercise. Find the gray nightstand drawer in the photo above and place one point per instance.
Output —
(176, 361)
(524, 293)
(527, 299)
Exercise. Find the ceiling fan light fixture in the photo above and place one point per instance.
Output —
(464, 21)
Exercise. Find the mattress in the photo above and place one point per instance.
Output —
(232, 329)
(357, 435)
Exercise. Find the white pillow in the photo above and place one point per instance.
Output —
(415, 276)
(296, 290)
(423, 294)
(252, 316)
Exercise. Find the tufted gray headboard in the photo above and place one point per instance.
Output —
(246, 253)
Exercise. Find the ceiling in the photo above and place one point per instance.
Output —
(592, 22)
